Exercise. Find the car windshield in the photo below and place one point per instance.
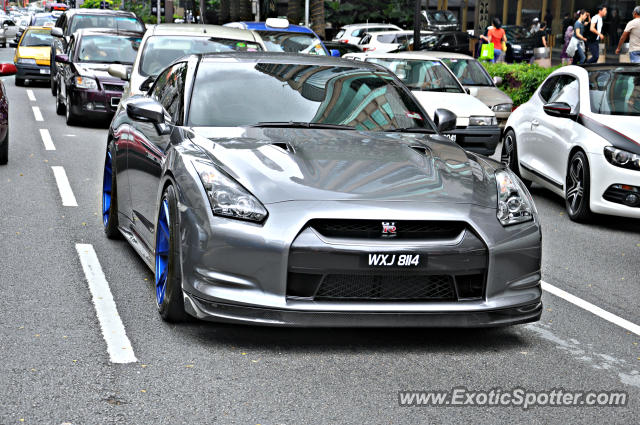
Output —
(123, 23)
(615, 92)
(516, 33)
(417, 74)
(238, 94)
(108, 49)
(160, 50)
(37, 38)
(469, 72)
(292, 42)
(443, 17)
(41, 21)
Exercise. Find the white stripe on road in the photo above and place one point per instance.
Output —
(68, 200)
(610, 317)
(36, 113)
(31, 95)
(118, 344)
(46, 139)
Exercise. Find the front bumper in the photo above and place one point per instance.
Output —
(33, 72)
(478, 139)
(603, 176)
(96, 103)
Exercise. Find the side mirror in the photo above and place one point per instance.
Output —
(445, 120)
(558, 109)
(62, 58)
(56, 32)
(8, 69)
(335, 53)
(118, 71)
(146, 110)
(146, 84)
(497, 80)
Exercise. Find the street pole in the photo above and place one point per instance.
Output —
(159, 15)
(416, 25)
(306, 13)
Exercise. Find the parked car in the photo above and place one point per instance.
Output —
(278, 35)
(452, 41)
(293, 190)
(50, 7)
(386, 41)
(439, 20)
(32, 55)
(475, 77)
(75, 19)
(353, 33)
(37, 20)
(343, 48)
(8, 31)
(6, 69)
(435, 86)
(578, 137)
(164, 43)
(85, 88)
(520, 44)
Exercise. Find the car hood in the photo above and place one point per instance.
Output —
(490, 96)
(279, 165)
(622, 131)
(461, 104)
(36, 52)
(94, 70)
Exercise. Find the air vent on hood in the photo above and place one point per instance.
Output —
(420, 149)
(284, 146)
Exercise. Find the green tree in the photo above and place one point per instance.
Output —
(95, 4)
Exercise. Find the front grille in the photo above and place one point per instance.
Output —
(386, 287)
(113, 87)
(375, 229)
(623, 194)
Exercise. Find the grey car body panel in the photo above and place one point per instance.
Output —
(237, 271)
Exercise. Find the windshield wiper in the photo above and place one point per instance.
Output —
(410, 130)
(302, 124)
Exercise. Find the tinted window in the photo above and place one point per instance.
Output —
(425, 75)
(366, 39)
(105, 21)
(615, 92)
(160, 51)
(108, 49)
(340, 33)
(547, 88)
(448, 39)
(469, 72)
(35, 38)
(169, 91)
(386, 38)
(567, 90)
(236, 94)
(292, 42)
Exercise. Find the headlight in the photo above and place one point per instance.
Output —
(483, 121)
(621, 158)
(516, 46)
(227, 197)
(86, 83)
(503, 107)
(515, 204)
(27, 61)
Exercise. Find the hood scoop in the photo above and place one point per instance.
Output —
(284, 146)
(422, 150)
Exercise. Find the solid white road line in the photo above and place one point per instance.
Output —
(610, 317)
(31, 95)
(36, 113)
(46, 139)
(118, 344)
(68, 200)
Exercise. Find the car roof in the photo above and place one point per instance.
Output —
(400, 32)
(70, 12)
(203, 30)
(108, 31)
(262, 26)
(286, 58)
(369, 24)
(403, 55)
(449, 55)
(607, 66)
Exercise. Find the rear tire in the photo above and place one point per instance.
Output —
(577, 188)
(110, 195)
(19, 82)
(169, 296)
(4, 149)
(509, 156)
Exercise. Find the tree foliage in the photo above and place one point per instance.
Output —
(343, 12)
(520, 80)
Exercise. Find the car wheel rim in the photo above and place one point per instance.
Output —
(575, 185)
(68, 109)
(507, 154)
(106, 189)
(162, 251)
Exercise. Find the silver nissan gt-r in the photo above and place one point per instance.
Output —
(292, 190)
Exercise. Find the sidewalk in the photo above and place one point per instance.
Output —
(556, 53)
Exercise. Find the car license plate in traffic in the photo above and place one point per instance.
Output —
(452, 137)
(394, 260)
(45, 71)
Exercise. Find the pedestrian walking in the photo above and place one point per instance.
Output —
(568, 35)
(632, 32)
(576, 47)
(594, 35)
(496, 36)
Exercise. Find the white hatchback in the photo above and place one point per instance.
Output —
(354, 32)
(386, 41)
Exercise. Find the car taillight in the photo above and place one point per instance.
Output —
(368, 49)
(345, 41)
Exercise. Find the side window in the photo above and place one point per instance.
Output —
(567, 90)
(448, 40)
(70, 48)
(366, 39)
(547, 88)
(169, 91)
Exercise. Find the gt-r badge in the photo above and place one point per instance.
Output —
(388, 229)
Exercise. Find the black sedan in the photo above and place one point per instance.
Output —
(84, 86)
(520, 44)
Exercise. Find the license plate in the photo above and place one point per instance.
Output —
(393, 260)
(115, 101)
(529, 52)
(45, 71)
(452, 137)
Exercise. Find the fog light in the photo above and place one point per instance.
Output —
(89, 106)
(631, 199)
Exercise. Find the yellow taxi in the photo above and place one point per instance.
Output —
(33, 55)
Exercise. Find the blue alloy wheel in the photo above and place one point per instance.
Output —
(106, 189)
(162, 251)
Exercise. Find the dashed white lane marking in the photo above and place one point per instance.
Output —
(46, 139)
(118, 344)
(37, 114)
(31, 96)
(594, 309)
(68, 199)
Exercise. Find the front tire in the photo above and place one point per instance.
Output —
(110, 195)
(54, 82)
(577, 188)
(169, 297)
(509, 156)
(70, 116)
(60, 108)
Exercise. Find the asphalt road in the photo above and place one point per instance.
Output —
(54, 365)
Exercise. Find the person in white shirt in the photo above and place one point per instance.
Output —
(632, 32)
(595, 35)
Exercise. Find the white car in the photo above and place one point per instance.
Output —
(579, 136)
(164, 43)
(353, 33)
(436, 87)
(386, 41)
